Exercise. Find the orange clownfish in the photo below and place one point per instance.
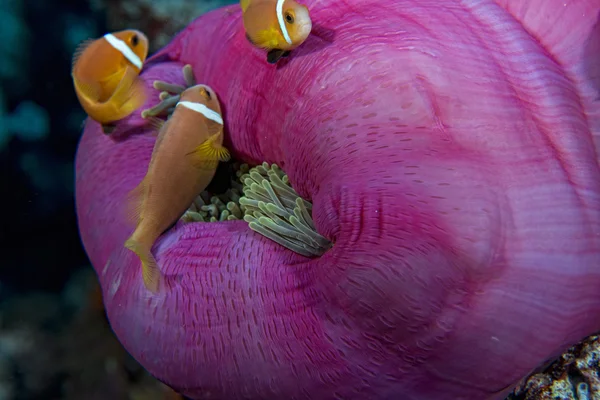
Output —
(106, 76)
(186, 154)
(278, 26)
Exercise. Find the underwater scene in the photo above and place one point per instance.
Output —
(300, 199)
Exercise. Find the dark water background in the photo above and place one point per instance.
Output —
(39, 235)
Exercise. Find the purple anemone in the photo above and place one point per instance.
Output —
(448, 149)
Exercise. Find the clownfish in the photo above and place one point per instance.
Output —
(184, 160)
(105, 74)
(278, 26)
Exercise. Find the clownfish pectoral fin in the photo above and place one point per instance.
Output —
(88, 90)
(79, 50)
(130, 93)
(150, 271)
(274, 55)
(134, 203)
(209, 153)
(137, 98)
(111, 80)
(244, 4)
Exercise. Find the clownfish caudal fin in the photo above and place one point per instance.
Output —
(88, 90)
(209, 153)
(134, 203)
(150, 271)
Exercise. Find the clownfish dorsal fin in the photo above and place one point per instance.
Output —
(134, 202)
(156, 124)
(160, 136)
(80, 49)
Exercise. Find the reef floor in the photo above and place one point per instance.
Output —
(59, 346)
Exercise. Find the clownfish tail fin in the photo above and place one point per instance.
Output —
(150, 271)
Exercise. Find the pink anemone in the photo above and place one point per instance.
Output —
(448, 149)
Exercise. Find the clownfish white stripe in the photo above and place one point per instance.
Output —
(202, 109)
(279, 10)
(124, 49)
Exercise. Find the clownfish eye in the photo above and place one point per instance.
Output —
(206, 93)
(289, 17)
(135, 40)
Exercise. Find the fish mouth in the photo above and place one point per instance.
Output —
(304, 30)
